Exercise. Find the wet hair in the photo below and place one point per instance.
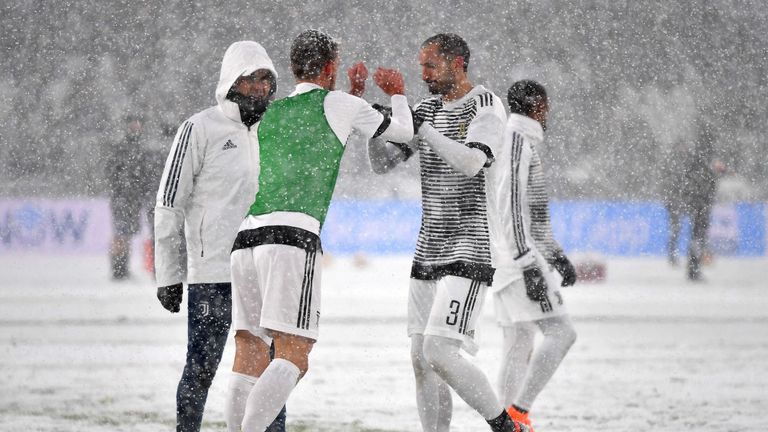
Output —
(310, 52)
(523, 96)
(450, 45)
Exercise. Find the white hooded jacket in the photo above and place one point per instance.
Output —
(518, 216)
(210, 179)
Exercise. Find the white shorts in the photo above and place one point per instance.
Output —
(276, 287)
(448, 307)
(511, 303)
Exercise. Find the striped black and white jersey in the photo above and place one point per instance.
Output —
(519, 218)
(454, 237)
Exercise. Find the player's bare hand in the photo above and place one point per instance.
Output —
(357, 74)
(390, 81)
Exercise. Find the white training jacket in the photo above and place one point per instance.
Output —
(518, 214)
(210, 179)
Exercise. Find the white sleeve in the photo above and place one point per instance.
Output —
(400, 127)
(486, 130)
(182, 165)
(520, 168)
(466, 160)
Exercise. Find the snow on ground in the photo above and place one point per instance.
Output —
(81, 353)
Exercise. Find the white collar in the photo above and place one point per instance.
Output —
(460, 101)
(304, 87)
(530, 128)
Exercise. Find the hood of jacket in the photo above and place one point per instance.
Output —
(241, 58)
(530, 128)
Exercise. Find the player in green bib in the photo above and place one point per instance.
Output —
(275, 258)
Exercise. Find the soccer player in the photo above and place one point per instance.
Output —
(525, 289)
(206, 186)
(275, 259)
(457, 140)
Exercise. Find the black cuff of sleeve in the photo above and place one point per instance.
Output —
(405, 148)
(383, 126)
(485, 149)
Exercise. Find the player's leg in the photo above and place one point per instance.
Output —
(251, 341)
(469, 382)
(433, 396)
(674, 232)
(516, 352)
(208, 321)
(271, 392)
(290, 277)
(559, 336)
(251, 358)
(451, 327)
(250, 363)
(696, 247)
(279, 424)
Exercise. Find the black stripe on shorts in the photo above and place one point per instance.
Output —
(469, 306)
(278, 234)
(305, 301)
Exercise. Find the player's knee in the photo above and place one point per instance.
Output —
(247, 342)
(437, 352)
(417, 353)
(564, 333)
(294, 349)
(569, 336)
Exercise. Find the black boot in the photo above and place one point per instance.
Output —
(504, 423)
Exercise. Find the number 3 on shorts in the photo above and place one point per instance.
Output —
(454, 315)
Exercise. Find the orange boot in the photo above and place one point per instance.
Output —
(519, 417)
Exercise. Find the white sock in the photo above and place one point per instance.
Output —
(269, 395)
(240, 386)
(559, 335)
(433, 396)
(466, 379)
(518, 345)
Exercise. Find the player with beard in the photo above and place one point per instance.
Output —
(459, 132)
(208, 181)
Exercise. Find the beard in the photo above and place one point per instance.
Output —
(441, 87)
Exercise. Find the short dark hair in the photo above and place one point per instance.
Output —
(450, 45)
(310, 52)
(523, 96)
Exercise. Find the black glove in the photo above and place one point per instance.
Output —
(535, 285)
(563, 266)
(418, 120)
(170, 296)
(384, 110)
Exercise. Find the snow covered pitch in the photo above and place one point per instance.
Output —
(81, 353)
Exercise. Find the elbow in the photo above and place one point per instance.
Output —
(400, 132)
(472, 170)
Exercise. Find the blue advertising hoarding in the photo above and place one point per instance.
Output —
(607, 227)
(83, 226)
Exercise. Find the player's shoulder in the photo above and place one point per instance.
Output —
(345, 97)
(487, 101)
(518, 140)
(201, 118)
(341, 101)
